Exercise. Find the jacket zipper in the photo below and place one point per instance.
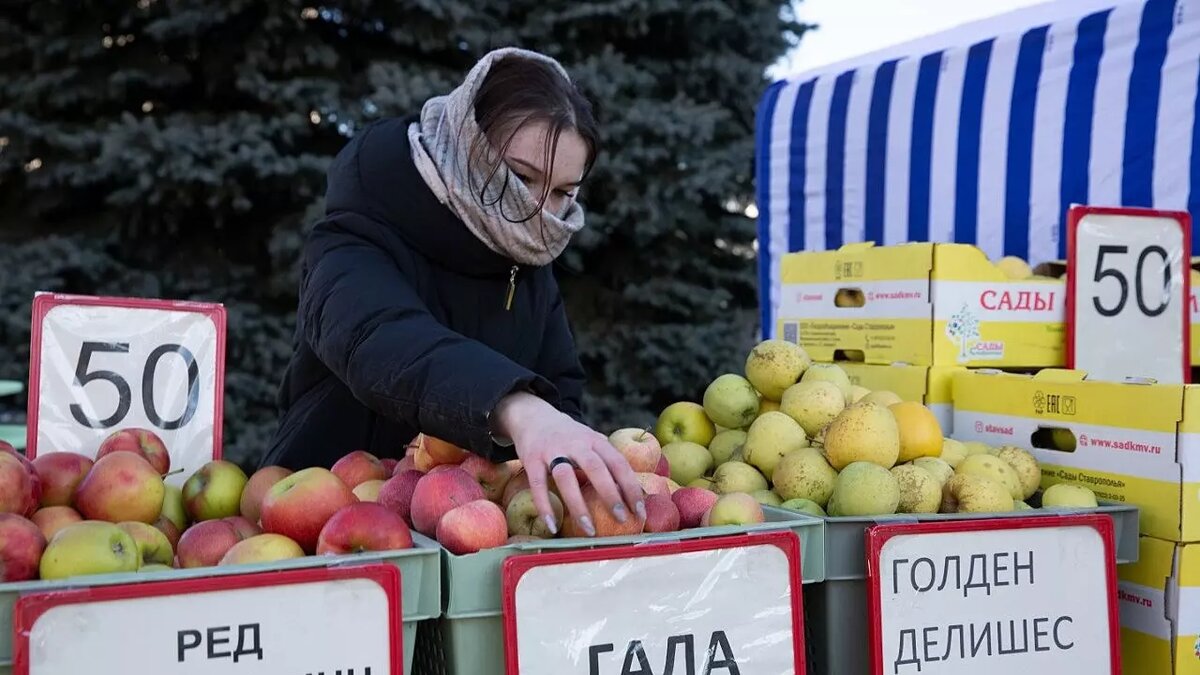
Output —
(512, 288)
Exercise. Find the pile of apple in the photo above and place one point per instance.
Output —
(798, 435)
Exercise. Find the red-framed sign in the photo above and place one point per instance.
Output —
(1128, 293)
(692, 605)
(264, 623)
(101, 364)
(1001, 595)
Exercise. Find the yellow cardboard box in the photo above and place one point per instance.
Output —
(1128, 442)
(1159, 599)
(930, 385)
(922, 304)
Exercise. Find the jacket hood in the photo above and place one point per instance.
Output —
(374, 175)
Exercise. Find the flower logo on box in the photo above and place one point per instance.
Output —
(1196, 648)
(963, 329)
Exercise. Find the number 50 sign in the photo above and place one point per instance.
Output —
(1127, 293)
(98, 365)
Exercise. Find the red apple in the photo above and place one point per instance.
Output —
(491, 477)
(358, 467)
(140, 441)
(21, 547)
(603, 520)
(443, 467)
(299, 505)
(432, 452)
(16, 486)
(389, 465)
(244, 527)
(261, 548)
(437, 493)
(364, 527)
(169, 528)
(663, 468)
(639, 447)
(661, 514)
(60, 473)
(397, 493)
(256, 488)
(654, 484)
(121, 486)
(368, 491)
(205, 543)
(473, 527)
(693, 503)
(54, 518)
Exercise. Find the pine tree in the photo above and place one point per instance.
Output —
(177, 149)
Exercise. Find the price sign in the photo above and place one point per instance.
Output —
(728, 604)
(295, 622)
(1128, 286)
(98, 365)
(1026, 595)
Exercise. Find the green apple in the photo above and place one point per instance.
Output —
(731, 401)
(152, 545)
(89, 547)
(688, 461)
(215, 491)
(1068, 496)
(172, 508)
(684, 422)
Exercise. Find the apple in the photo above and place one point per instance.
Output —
(167, 527)
(654, 484)
(523, 517)
(358, 467)
(737, 508)
(256, 488)
(406, 464)
(640, 448)
(261, 548)
(491, 477)
(442, 467)
(54, 518)
(472, 527)
(152, 545)
(205, 543)
(91, 546)
(172, 507)
(389, 465)
(684, 422)
(438, 493)
(60, 473)
(522, 539)
(299, 505)
(140, 441)
(214, 491)
(368, 491)
(16, 486)
(121, 486)
(244, 527)
(603, 520)
(397, 493)
(155, 567)
(21, 546)
(364, 527)
(661, 514)
(519, 481)
(664, 467)
(439, 451)
(693, 503)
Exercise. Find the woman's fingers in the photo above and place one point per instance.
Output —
(568, 489)
(540, 489)
(623, 474)
(600, 476)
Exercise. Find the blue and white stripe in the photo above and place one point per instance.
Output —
(985, 134)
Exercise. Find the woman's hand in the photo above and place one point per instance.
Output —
(541, 434)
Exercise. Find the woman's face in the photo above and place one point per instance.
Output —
(526, 158)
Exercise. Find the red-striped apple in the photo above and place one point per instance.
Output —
(21, 547)
(438, 493)
(139, 441)
(60, 473)
(357, 467)
(299, 505)
(121, 486)
(364, 527)
(473, 527)
(256, 489)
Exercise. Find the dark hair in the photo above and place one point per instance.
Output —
(517, 91)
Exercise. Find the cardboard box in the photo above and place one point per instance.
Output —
(930, 385)
(921, 304)
(1128, 442)
(1159, 599)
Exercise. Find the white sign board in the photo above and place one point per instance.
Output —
(723, 605)
(297, 622)
(100, 365)
(994, 597)
(1128, 293)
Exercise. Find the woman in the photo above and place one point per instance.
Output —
(427, 302)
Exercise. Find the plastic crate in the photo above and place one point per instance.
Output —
(469, 638)
(836, 609)
(420, 579)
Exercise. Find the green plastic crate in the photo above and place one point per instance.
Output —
(836, 609)
(420, 579)
(469, 638)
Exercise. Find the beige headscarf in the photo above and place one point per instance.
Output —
(441, 144)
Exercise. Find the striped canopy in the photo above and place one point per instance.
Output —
(984, 134)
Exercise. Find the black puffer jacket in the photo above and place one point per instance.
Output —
(403, 326)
